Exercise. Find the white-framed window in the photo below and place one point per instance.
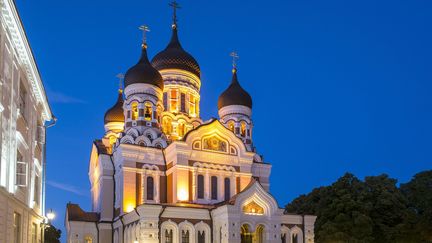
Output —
(21, 170)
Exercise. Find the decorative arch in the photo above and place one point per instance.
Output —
(132, 132)
(128, 139)
(216, 128)
(285, 234)
(170, 226)
(159, 141)
(199, 229)
(150, 134)
(188, 227)
(143, 140)
(256, 193)
(297, 233)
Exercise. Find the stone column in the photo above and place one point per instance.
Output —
(156, 186)
(194, 184)
(233, 184)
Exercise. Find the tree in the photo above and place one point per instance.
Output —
(52, 234)
(373, 210)
(418, 192)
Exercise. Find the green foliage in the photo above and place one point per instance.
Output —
(373, 210)
(52, 234)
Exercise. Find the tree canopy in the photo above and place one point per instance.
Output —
(52, 234)
(371, 210)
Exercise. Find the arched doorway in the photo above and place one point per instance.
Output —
(259, 234)
(246, 234)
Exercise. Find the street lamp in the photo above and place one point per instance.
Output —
(50, 215)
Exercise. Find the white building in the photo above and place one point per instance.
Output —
(161, 174)
(24, 111)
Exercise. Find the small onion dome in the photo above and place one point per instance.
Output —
(115, 113)
(175, 57)
(143, 72)
(234, 94)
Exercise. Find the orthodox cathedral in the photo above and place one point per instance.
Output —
(162, 174)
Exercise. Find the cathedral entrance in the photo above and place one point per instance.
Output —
(248, 236)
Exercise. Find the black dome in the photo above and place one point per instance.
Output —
(115, 113)
(234, 94)
(174, 56)
(143, 72)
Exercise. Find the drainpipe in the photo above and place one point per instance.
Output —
(51, 123)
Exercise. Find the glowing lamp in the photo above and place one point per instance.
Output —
(182, 195)
(129, 208)
(50, 215)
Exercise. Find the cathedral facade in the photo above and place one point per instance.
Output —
(162, 174)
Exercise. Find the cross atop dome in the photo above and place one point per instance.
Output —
(120, 76)
(235, 57)
(175, 5)
(144, 29)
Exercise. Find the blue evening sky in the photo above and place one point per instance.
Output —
(337, 85)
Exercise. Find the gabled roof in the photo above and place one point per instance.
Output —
(75, 213)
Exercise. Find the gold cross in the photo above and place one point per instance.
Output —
(120, 76)
(144, 29)
(174, 4)
(235, 57)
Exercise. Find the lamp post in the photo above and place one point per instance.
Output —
(47, 222)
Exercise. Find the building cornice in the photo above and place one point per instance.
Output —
(19, 39)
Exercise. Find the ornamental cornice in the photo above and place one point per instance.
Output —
(12, 20)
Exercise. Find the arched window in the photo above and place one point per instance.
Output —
(201, 236)
(150, 188)
(181, 129)
(168, 236)
(148, 111)
(167, 125)
(200, 180)
(295, 238)
(214, 188)
(192, 105)
(283, 237)
(227, 188)
(174, 97)
(231, 126)
(185, 236)
(134, 109)
(243, 129)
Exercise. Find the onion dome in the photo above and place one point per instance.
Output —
(115, 113)
(234, 94)
(175, 57)
(143, 72)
